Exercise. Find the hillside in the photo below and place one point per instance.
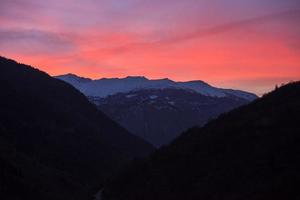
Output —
(53, 141)
(250, 153)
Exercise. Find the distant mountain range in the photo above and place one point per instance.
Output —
(158, 110)
(54, 143)
(109, 86)
(250, 153)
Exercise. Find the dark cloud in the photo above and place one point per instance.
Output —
(34, 42)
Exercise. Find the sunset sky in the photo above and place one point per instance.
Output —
(246, 44)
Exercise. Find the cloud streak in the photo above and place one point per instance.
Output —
(235, 25)
(202, 33)
(32, 42)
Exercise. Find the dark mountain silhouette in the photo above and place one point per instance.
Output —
(160, 115)
(54, 143)
(250, 153)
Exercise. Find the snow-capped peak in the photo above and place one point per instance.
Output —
(73, 78)
(109, 86)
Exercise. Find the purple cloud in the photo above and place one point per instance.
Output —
(33, 42)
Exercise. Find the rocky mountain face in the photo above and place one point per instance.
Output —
(160, 115)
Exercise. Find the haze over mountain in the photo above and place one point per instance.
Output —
(158, 110)
(55, 144)
(250, 153)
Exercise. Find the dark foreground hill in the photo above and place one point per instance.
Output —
(54, 144)
(250, 153)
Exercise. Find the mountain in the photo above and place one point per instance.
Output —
(104, 87)
(250, 153)
(160, 115)
(54, 143)
(158, 110)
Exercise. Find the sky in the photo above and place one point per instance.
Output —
(242, 44)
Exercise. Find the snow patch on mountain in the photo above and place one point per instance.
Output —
(153, 96)
(171, 102)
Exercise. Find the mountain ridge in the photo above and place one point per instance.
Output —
(108, 86)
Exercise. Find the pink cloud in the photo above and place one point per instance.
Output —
(219, 42)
